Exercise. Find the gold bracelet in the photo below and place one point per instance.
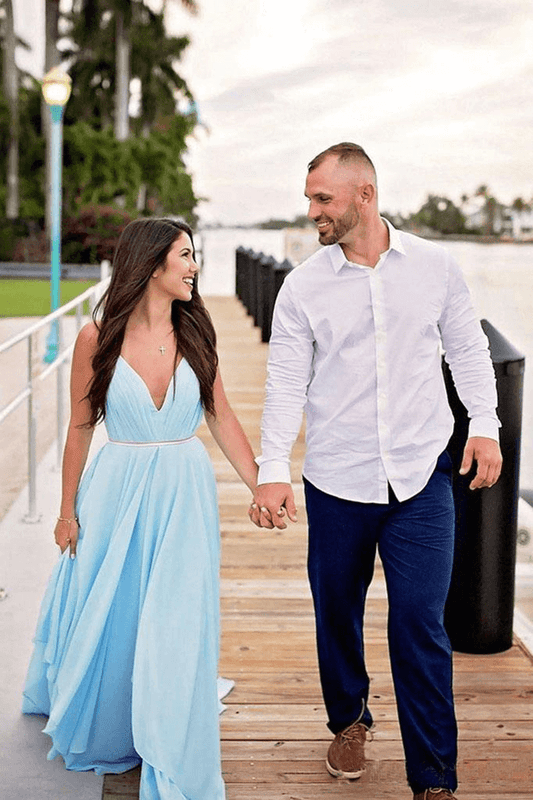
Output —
(64, 519)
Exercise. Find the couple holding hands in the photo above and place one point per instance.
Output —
(125, 658)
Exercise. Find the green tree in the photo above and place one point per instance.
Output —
(440, 214)
(154, 55)
(100, 171)
(108, 36)
(519, 204)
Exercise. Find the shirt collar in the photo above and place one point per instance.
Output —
(338, 259)
(395, 240)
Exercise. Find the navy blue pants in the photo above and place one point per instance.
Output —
(415, 543)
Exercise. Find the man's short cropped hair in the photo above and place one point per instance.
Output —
(345, 152)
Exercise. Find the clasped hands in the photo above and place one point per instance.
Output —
(273, 503)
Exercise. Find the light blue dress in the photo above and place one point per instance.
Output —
(125, 659)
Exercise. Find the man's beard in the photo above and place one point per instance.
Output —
(340, 227)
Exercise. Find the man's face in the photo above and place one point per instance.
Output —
(331, 190)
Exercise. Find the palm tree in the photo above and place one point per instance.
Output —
(126, 14)
(151, 57)
(123, 21)
(11, 88)
(125, 17)
(154, 55)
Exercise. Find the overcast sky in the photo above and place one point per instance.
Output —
(439, 92)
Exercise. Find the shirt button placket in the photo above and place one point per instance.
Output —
(380, 329)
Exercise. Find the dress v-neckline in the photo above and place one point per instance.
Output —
(178, 365)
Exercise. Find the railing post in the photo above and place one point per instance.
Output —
(105, 269)
(31, 515)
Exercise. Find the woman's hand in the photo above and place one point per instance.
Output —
(270, 503)
(66, 534)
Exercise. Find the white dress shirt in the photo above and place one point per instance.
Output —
(359, 349)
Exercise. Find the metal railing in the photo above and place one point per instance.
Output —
(90, 296)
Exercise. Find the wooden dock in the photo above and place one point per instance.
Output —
(274, 737)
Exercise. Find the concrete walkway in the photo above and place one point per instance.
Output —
(27, 555)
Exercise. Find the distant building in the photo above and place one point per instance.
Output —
(483, 215)
(518, 223)
(489, 217)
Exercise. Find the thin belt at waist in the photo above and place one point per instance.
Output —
(152, 444)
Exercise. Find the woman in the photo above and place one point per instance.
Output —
(126, 649)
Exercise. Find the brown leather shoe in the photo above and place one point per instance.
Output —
(434, 794)
(346, 755)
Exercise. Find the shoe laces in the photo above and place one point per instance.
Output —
(354, 734)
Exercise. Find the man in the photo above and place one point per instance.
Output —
(356, 342)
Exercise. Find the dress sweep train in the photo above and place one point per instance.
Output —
(126, 649)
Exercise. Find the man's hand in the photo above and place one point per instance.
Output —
(486, 452)
(272, 501)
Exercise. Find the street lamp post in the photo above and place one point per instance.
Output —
(56, 87)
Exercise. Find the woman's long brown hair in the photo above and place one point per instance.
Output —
(142, 248)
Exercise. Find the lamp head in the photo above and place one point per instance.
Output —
(56, 87)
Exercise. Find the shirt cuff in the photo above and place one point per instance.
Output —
(484, 426)
(273, 472)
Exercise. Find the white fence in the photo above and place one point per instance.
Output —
(27, 394)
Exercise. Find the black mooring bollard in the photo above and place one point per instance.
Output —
(258, 279)
(276, 276)
(479, 610)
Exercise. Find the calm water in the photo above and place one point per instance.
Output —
(500, 277)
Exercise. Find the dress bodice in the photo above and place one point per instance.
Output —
(131, 414)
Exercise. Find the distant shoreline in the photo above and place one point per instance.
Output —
(444, 237)
(468, 237)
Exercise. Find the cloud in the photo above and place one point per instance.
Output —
(438, 92)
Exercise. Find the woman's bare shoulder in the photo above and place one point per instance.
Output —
(87, 339)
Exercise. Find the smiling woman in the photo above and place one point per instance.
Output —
(134, 598)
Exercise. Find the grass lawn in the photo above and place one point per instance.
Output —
(31, 298)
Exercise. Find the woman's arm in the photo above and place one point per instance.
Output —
(78, 437)
(230, 437)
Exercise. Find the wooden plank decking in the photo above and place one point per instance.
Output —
(274, 737)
